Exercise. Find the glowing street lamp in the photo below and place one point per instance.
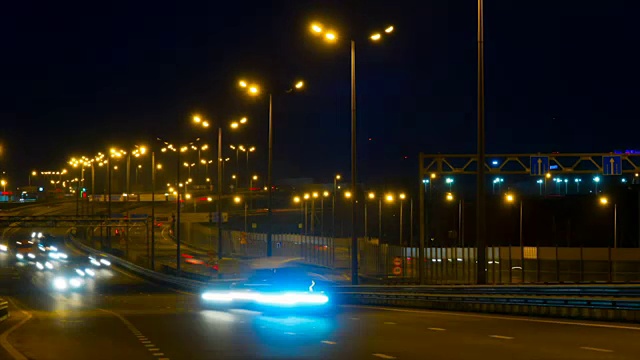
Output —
(253, 90)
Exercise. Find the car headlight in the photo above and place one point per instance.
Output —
(95, 262)
(90, 272)
(79, 272)
(3, 247)
(33, 234)
(31, 256)
(53, 248)
(20, 256)
(75, 282)
(48, 265)
(60, 283)
(39, 266)
(62, 255)
(105, 262)
(40, 235)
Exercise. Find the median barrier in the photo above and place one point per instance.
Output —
(4, 310)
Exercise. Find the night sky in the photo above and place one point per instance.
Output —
(79, 77)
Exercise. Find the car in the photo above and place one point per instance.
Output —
(99, 261)
(43, 263)
(82, 263)
(274, 285)
(26, 250)
(68, 278)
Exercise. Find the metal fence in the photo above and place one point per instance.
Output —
(505, 265)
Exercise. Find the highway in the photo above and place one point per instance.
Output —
(121, 316)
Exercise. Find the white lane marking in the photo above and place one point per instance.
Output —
(596, 349)
(501, 337)
(383, 356)
(514, 318)
(3, 338)
(436, 329)
(133, 329)
(289, 333)
(328, 342)
(389, 323)
(163, 359)
(354, 318)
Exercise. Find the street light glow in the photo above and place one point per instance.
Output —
(296, 199)
(375, 37)
(338, 177)
(347, 194)
(604, 200)
(242, 84)
(330, 36)
(315, 28)
(315, 194)
(299, 85)
(255, 177)
(237, 199)
(243, 120)
(306, 196)
(197, 119)
(372, 195)
(234, 125)
(509, 198)
(449, 197)
(389, 30)
(389, 197)
(253, 90)
(402, 196)
(325, 194)
(205, 124)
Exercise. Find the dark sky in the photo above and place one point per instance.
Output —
(78, 77)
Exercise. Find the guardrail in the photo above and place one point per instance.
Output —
(611, 303)
(539, 290)
(4, 310)
(577, 308)
(164, 279)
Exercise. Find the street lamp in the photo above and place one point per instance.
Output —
(510, 199)
(234, 125)
(247, 150)
(331, 37)
(4, 185)
(596, 181)
(604, 201)
(336, 178)
(370, 196)
(254, 90)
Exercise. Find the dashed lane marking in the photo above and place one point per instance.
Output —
(143, 339)
(511, 318)
(436, 329)
(383, 356)
(328, 342)
(596, 349)
(389, 323)
(501, 337)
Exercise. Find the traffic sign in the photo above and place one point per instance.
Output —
(539, 165)
(397, 271)
(612, 165)
(397, 261)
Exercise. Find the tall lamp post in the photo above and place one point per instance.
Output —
(332, 37)
(481, 229)
(254, 90)
(233, 125)
(333, 205)
(604, 201)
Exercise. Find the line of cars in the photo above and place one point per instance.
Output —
(64, 272)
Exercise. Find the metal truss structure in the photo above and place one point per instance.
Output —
(531, 164)
(67, 221)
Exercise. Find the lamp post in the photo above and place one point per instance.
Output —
(248, 150)
(370, 196)
(237, 148)
(332, 37)
(233, 125)
(325, 194)
(604, 201)
(481, 227)
(254, 90)
(402, 197)
(333, 205)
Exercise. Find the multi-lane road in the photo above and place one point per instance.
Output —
(124, 317)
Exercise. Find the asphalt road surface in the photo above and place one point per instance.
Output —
(120, 316)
